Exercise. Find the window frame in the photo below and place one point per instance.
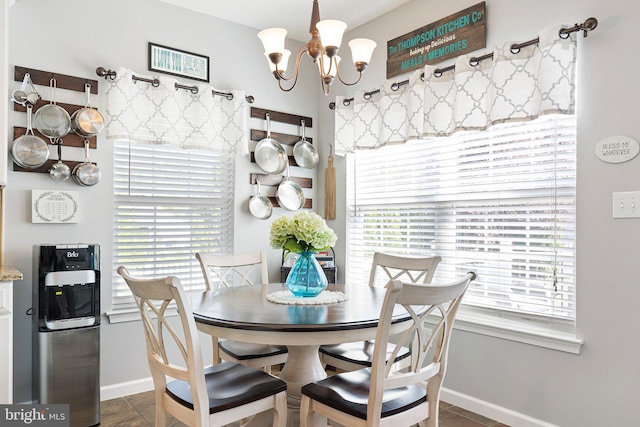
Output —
(167, 200)
(556, 333)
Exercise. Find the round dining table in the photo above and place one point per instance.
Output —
(243, 313)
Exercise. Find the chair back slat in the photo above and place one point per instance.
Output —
(233, 270)
(387, 267)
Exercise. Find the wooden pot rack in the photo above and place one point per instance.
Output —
(63, 81)
(284, 139)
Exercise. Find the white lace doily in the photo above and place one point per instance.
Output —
(325, 297)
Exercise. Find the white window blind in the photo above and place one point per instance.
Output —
(169, 203)
(500, 202)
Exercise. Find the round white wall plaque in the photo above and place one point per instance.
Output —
(617, 149)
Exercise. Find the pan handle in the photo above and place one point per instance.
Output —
(86, 151)
(268, 118)
(87, 89)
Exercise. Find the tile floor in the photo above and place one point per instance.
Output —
(137, 410)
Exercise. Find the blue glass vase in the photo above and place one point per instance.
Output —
(306, 278)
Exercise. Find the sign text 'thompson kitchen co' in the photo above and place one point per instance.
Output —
(455, 35)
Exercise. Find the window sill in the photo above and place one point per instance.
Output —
(528, 331)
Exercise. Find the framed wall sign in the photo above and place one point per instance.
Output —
(455, 35)
(54, 207)
(178, 62)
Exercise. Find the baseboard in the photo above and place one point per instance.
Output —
(124, 389)
(489, 410)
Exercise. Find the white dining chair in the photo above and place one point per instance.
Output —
(385, 395)
(240, 270)
(356, 355)
(197, 396)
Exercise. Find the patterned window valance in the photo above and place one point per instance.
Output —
(512, 86)
(162, 114)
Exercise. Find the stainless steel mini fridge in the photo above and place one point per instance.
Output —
(66, 329)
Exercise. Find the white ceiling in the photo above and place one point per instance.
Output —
(293, 15)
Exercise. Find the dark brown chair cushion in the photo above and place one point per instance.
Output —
(349, 393)
(229, 385)
(360, 352)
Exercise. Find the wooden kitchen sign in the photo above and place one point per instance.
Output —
(455, 35)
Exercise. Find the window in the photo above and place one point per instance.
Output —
(169, 203)
(500, 202)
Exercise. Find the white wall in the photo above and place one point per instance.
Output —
(595, 388)
(599, 386)
(74, 37)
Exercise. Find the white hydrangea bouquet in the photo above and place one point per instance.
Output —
(304, 232)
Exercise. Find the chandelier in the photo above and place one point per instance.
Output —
(323, 47)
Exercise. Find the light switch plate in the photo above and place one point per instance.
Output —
(626, 205)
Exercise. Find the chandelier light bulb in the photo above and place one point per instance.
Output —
(282, 65)
(361, 50)
(331, 32)
(273, 40)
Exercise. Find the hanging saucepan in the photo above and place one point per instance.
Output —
(87, 122)
(86, 173)
(289, 194)
(260, 206)
(305, 153)
(59, 171)
(270, 156)
(52, 120)
(29, 151)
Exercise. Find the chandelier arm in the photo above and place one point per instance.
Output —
(345, 83)
(293, 76)
(284, 89)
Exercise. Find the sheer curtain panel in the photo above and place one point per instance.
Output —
(512, 86)
(163, 114)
